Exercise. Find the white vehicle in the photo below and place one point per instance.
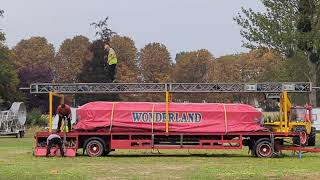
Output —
(12, 121)
(316, 118)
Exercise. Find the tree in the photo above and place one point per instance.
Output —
(36, 74)
(127, 67)
(155, 63)
(8, 75)
(103, 32)
(287, 27)
(192, 67)
(8, 82)
(3, 48)
(33, 51)
(72, 54)
(93, 70)
(254, 66)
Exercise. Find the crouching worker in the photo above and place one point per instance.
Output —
(64, 111)
(53, 140)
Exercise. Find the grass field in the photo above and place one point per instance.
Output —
(17, 162)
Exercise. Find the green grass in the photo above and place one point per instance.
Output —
(17, 162)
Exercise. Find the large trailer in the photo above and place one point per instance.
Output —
(280, 135)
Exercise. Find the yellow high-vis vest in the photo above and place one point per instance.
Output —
(112, 57)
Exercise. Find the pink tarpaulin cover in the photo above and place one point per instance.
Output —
(183, 117)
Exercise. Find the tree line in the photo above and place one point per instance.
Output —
(279, 52)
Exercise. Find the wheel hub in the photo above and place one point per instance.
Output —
(94, 149)
(265, 150)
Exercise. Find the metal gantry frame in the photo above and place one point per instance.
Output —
(167, 88)
(79, 88)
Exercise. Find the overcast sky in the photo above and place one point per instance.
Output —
(182, 25)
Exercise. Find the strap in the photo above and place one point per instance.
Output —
(225, 119)
(152, 118)
(111, 118)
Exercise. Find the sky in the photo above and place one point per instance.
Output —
(181, 25)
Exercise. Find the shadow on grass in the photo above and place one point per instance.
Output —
(6, 137)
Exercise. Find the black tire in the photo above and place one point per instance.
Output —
(94, 148)
(296, 140)
(312, 137)
(263, 148)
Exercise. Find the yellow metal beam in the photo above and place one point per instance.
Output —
(51, 95)
(50, 111)
(167, 110)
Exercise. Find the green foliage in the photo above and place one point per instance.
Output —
(8, 83)
(8, 75)
(289, 27)
(36, 118)
(273, 29)
(3, 47)
(94, 70)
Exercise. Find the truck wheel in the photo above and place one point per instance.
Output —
(312, 137)
(94, 148)
(296, 140)
(264, 149)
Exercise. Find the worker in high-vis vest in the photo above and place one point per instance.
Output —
(111, 61)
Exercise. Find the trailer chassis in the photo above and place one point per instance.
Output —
(261, 144)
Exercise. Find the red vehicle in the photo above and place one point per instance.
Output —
(103, 127)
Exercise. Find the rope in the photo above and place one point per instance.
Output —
(225, 119)
(152, 118)
(152, 124)
(111, 118)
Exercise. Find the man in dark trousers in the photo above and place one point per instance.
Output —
(111, 61)
(64, 111)
(54, 139)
